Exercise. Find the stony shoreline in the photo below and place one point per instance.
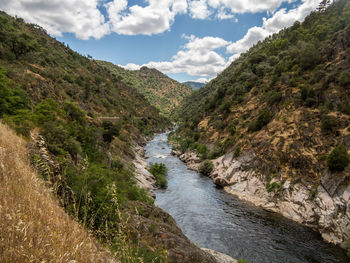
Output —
(146, 181)
(325, 209)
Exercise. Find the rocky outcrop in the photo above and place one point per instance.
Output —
(144, 178)
(325, 207)
(220, 257)
(190, 158)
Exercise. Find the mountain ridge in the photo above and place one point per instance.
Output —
(161, 91)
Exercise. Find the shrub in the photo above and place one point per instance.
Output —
(328, 124)
(338, 158)
(344, 78)
(202, 150)
(272, 97)
(347, 244)
(263, 119)
(159, 171)
(242, 261)
(215, 152)
(206, 167)
(231, 128)
(110, 130)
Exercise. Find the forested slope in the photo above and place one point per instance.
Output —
(161, 91)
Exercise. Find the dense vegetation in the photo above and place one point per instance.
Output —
(159, 171)
(287, 99)
(81, 122)
(162, 92)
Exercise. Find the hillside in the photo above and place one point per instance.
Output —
(194, 85)
(277, 113)
(31, 220)
(82, 126)
(161, 91)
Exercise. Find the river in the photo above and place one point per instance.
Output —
(211, 218)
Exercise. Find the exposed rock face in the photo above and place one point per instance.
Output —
(190, 158)
(220, 257)
(143, 177)
(325, 208)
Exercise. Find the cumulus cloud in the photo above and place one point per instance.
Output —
(198, 57)
(202, 80)
(278, 21)
(57, 16)
(199, 9)
(224, 14)
(248, 6)
(155, 18)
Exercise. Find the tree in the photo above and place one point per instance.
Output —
(338, 158)
(323, 5)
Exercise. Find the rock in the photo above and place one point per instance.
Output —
(220, 257)
(144, 178)
(331, 181)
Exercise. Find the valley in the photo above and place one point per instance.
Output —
(252, 166)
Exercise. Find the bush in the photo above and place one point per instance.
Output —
(110, 130)
(347, 244)
(328, 124)
(159, 171)
(202, 150)
(344, 78)
(215, 153)
(263, 119)
(338, 158)
(206, 167)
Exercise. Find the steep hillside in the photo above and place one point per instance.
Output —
(161, 91)
(193, 84)
(276, 114)
(82, 127)
(32, 224)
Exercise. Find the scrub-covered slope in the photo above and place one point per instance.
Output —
(161, 91)
(83, 127)
(281, 115)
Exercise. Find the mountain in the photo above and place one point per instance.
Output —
(194, 85)
(280, 118)
(161, 91)
(82, 128)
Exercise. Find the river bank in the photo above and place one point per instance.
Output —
(180, 249)
(326, 208)
(212, 218)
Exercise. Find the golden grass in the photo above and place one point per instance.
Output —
(33, 227)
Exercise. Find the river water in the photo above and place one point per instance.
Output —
(211, 218)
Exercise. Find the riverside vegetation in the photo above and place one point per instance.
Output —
(81, 124)
(278, 119)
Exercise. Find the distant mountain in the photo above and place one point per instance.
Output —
(161, 91)
(193, 84)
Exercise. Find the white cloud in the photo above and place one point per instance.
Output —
(57, 16)
(248, 6)
(223, 14)
(202, 80)
(131, 66)
(154, 18)
(198, 57)
(278, 21)
(199, 9)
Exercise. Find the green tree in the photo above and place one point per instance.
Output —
(338, 158)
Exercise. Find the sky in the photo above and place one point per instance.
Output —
(185, 39)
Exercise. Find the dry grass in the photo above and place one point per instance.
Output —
(33, 228)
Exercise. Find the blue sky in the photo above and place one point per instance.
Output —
(185, 39)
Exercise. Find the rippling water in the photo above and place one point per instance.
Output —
(211, 218)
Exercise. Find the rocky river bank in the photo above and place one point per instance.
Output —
(325, 208)
(179, 248)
